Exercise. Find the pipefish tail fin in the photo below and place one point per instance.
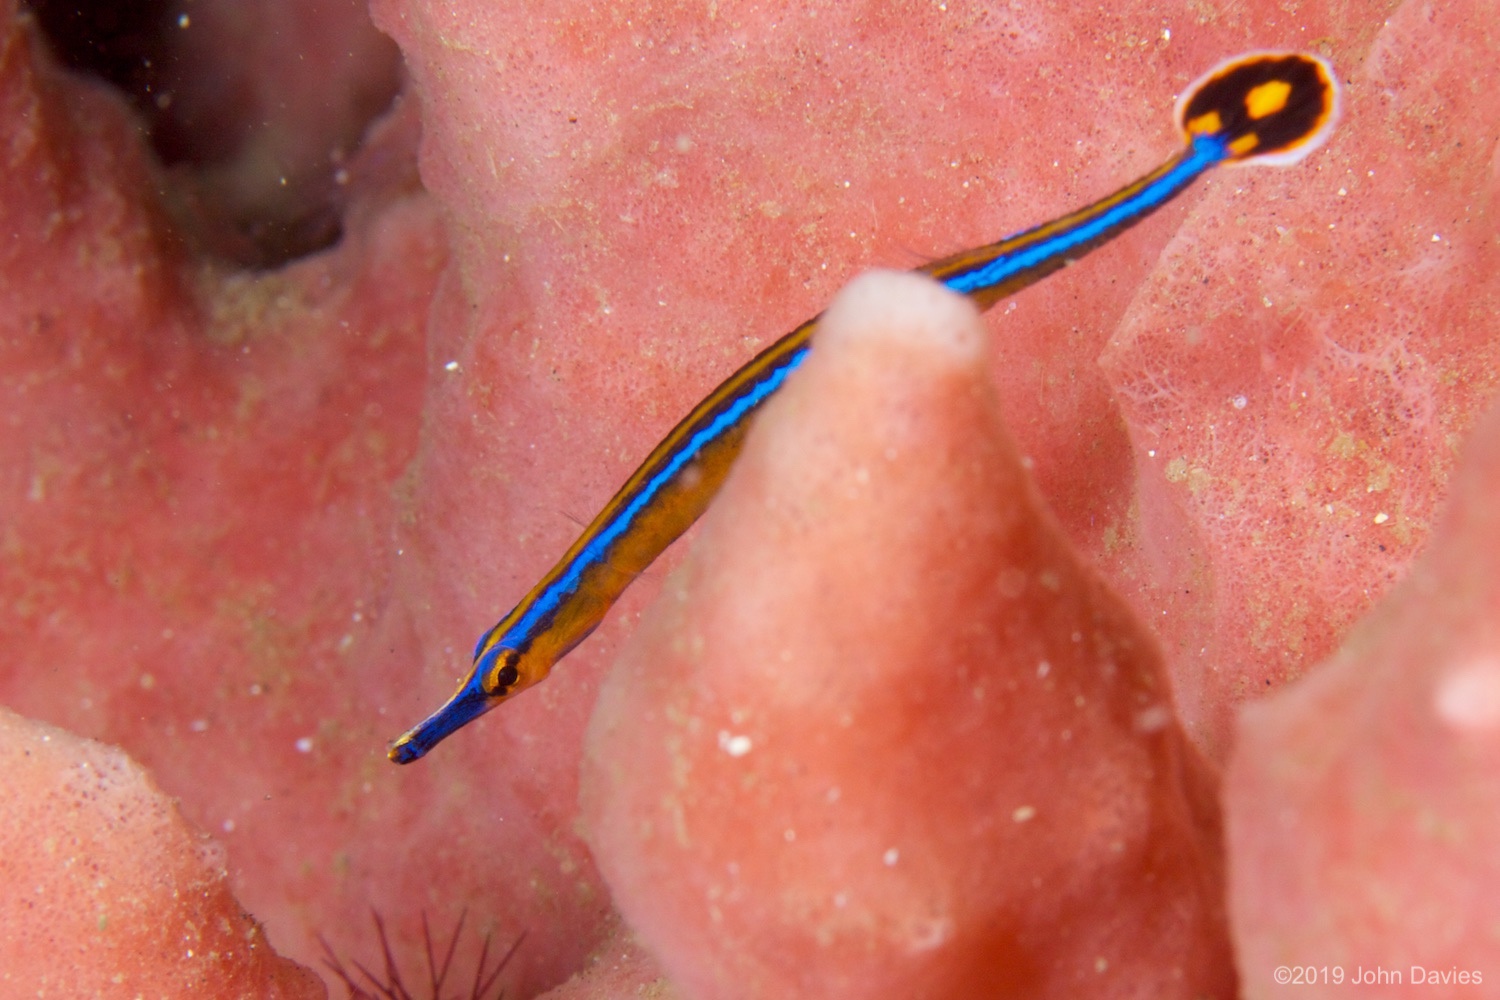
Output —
(1269, 108)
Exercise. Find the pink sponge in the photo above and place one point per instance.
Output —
(885, 735)
(1363, 808)
(108, 892)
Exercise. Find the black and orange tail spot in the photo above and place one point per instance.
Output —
(1266, 107)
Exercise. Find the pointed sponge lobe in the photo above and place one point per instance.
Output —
(884, 735)
(109, 893)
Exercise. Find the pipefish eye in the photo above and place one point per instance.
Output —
(502, 672)
(1266, 107)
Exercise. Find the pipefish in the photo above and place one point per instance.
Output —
(1261, 107)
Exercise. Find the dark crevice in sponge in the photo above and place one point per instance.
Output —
(253, 107)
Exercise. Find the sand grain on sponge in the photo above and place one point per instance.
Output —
(879, 574)
(108, 892)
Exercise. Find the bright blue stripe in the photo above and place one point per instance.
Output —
(598, 550)
(1207, 151)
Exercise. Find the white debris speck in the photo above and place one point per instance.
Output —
(891, 856)
(734, 746)
(1382, 517)
(304, 745)
(1239, 402)
(228, 826)
(1023, 813)
(451, 366)
(1043, 669)
(1153, 719)
(1468, 698)
(930, 934)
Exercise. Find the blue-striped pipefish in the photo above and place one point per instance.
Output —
(1263, 107)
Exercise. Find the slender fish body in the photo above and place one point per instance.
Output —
(1262, 107)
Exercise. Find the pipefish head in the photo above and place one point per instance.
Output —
(1264, 107)
(499, 673)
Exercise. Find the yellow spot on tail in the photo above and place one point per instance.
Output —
(1244, 144)
(1268, 98)
(1206, 124)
